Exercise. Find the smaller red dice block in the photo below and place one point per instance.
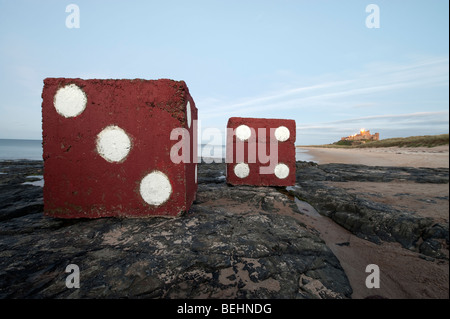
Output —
(108, 147)
(260, 152)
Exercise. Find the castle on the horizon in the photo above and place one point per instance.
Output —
(363, 135)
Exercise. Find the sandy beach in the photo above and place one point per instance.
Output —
(386, 156)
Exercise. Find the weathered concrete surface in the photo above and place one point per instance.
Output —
(261, 152)
(107, 147)
(235, 242)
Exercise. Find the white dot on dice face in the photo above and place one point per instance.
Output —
(281, 171)
(70, 101)
(282, 133)
(195, 174)
(188, 114)
(155, 188)
(241, 170)
(243, 132)
(113, 144)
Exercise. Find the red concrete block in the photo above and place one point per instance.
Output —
(107, 148)
(260, 152)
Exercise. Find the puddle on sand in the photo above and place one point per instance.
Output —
(303, 207)
(329, 230)
(39, 182)
(307, 209)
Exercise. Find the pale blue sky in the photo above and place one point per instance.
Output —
(312, 61)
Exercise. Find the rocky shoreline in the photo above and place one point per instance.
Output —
(235, 242)
(373, 220)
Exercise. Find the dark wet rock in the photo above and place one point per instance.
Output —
(431, 247)
(309, 171)
(212, 173)
(346, 243)
(17, 199)
(437, 231)
(235, 242)
(368, 219)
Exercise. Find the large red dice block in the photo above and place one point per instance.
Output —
(108, 146)
(260, 152)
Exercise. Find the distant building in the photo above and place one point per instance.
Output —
(363, 135)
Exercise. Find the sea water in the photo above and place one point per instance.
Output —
(303, 155)
(218, 152)
(14, 149)
(11, 149)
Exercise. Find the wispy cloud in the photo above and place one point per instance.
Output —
(393, 99)
(218, 107)
(365, 87)
(388, 125)
(418, 117)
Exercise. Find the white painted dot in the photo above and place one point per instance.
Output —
(243, 132)
(281, 171)
(113, 144)
(155, 188)
(282, 133)
(188, 114)
(70, 101)
(196, 174)
(241, 170)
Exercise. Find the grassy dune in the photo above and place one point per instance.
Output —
(412, 141)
